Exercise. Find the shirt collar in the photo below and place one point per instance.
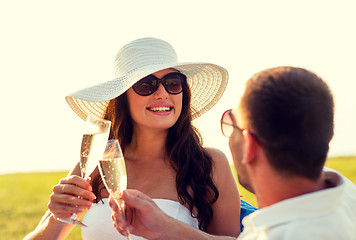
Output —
(304, 206)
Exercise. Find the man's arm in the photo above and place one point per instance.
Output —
(150, 222)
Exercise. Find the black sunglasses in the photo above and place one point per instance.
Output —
(172, 82)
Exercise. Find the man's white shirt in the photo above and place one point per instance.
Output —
(325, 214)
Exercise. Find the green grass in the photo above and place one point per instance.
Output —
(24, 197)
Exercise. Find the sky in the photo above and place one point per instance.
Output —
(51, 48)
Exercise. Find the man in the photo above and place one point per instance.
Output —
(279, 139)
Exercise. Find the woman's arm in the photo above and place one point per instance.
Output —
(63, 204)
(226, 218)
(49, 228)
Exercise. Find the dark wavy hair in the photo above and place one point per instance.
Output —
(187, 157)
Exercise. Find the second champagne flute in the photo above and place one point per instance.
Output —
(113, 172)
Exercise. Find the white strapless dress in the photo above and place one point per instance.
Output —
(100, 225)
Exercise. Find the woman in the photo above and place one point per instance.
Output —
(151, 104)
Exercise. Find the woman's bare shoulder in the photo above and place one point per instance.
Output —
(217, 155)
(221, 164)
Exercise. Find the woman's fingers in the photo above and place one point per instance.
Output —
(58, 208)
(78, 181)
(74, 190)
(64, 210)
(72, 194)
(70, 200)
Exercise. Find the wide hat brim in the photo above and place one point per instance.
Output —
(207, 83)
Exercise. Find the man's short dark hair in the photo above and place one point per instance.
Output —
(291, 111)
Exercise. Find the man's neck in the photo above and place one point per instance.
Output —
(278, 188)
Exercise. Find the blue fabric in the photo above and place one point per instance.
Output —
(246, 209)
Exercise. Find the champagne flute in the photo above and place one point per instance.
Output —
(95, 136)
(113, 172)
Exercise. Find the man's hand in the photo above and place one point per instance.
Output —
(143, 216)
(149, 221)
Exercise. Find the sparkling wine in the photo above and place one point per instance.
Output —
(113, 172)
(93, 146)
(96, 132)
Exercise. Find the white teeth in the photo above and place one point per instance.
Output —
(160, 109)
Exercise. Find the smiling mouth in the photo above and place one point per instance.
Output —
(160, 109)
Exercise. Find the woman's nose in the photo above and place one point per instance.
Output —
(161, 92)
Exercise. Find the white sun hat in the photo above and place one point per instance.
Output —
(141, 58)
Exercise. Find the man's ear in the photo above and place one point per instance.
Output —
(251, 146)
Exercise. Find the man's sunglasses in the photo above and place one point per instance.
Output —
(172, 82)
(227, 124)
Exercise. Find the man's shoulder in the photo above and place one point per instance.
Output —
(349, 188)
(321, 215)
(313, 228)
(300, 230)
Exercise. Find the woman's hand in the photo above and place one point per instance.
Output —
(72, 194)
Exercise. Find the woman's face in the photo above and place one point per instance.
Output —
(159, 110)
